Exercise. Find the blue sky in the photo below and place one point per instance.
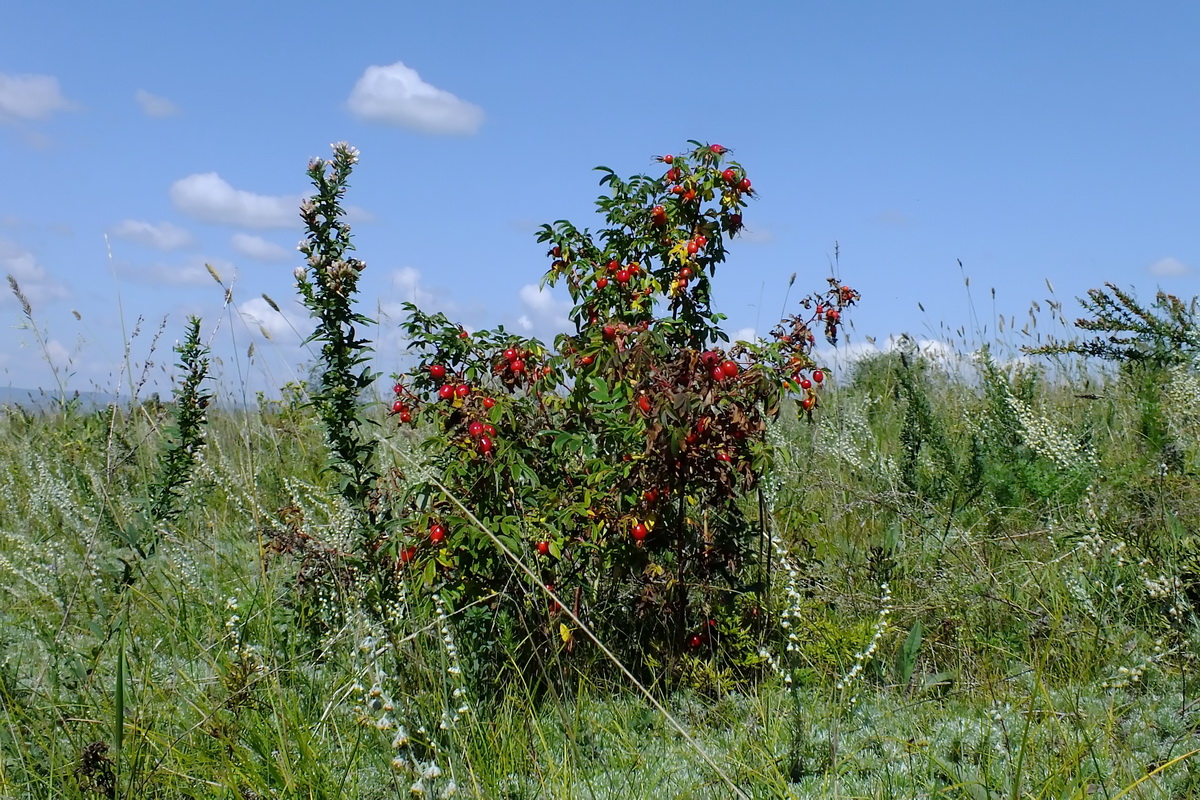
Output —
(1031, 141)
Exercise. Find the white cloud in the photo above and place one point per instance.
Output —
(396, 95)
(744, 335)
(942, 354)
(35, 284)
(155, 106)
(58, 355)
(163, 236)
(258, 248)
(209, 198)
(544, 314)
(192, 272)
(289, 325)
(407, 284)
(1168, 268)
(30, 96)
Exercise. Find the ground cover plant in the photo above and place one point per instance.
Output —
(639, 561)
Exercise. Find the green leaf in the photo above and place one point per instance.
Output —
(906, 659)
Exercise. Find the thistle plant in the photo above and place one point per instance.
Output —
(327, 286)
(1164, 332)
(187, 435)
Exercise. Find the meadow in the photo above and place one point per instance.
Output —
(976, 576)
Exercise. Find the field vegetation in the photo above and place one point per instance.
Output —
(638, 562)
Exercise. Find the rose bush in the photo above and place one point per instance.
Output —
(620, 461)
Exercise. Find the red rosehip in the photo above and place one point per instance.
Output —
(397, 407)
(586, 361)
(485, 444)
(668, 159)
(518, 366)
(614, 265)
(406, 416)
(744, 185)
(489, 402)
(644, 404)
(729, 175)
(475, 429)
(808, 402)
(543, 548)
(556, 251)
(639, 532)
(489, 429)
(622, 276)
(462, 390)
(806, 384)
(716, 149)
(511, 354)
(650, 495)
(437, 533)
(718, 374)
(446, 391)
(407, 554)
(685, 273)
(695, 641)
(438, 371)
(610, 333)
(689, 195)
(693, 247)
(601, 282)
(722, 456)
(397, 389)
(832, 315)
(818, 376)
(676, 189)
(730, 368)
(710, 358)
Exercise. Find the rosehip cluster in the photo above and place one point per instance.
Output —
(448, 390)
(399, 407)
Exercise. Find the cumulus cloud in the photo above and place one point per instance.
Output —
(743, 335)
(408, 285)
(163, 236)
(35, 283)
(544, 314)
(942, 354)
(259, 248)
(30, 96)
(1168, 268)
(190, 272)
(396, 95)
(289, 325)
(153, 105)
(209, 198)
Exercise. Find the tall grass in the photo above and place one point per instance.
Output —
(1044, 543)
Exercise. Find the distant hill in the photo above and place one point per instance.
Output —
(40, 399)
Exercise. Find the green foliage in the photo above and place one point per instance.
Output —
(187, 433)
(327, 286)
(1036, 638)
(619, 462)
(1162, 333)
